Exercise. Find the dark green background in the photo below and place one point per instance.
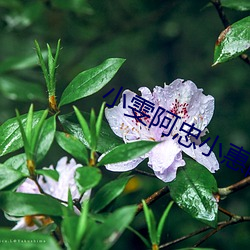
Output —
(162, 41)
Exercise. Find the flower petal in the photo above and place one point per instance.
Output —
(164, 159)
(65, 182)
(198, 107)
(122, 125)
(210, 162)
(29, 187)
(21, 225)
(125, 166)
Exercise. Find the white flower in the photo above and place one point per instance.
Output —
(58, 189)
(181, 98)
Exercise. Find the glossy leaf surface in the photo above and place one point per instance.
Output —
(193, 191)
(233, 41)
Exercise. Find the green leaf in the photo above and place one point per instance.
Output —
(99, 121)
(126, 152)
(52, 65)
(43, 65)
(193, 191)
(106, 234)
(84, 125)
(241, 5)
(10, 136)
(82, 223)
(24, 137)
(46, 137)
(74, 228)
(233, 41)
(16, 240)
(107, 139)
(53, 174)
(18, 162)
(87, 177)
(19, 90)
(151, 223)
(69, 230)
(70, 201)
(20, 204)
(8, 176)
(37, 131)
(73, 146)
(108, 193)
(162, 221)
(92, 127)
(90, 81)
(28, 127)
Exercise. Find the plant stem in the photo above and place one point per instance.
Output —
(152, 198)
(224, 192)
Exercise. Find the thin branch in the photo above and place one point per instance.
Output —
(226, 23)
(222, 15)
(204, 229)
(144, 173)
(224, 211)
(235, 220)
(152, 198)
(223, 192)
(42, 192)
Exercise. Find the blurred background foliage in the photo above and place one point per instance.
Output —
(162, 41)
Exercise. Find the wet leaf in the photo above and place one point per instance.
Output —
(233, 41)
(193, 191)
